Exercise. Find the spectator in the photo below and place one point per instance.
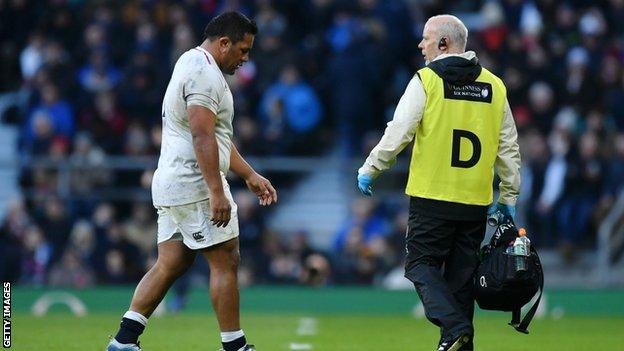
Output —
(183, 39)
(539, 199)
(146, 38)
(115, 268)
(581, 88)
(99, 74)
(71, 272)
(55, 222)
(316, 270)
(542, 105)
(353, 75)
(252, 225)
(283, 266)
(58, 112)
(12, 234)
(43, 134)
(139, 229)
(553, 186)
(89, 158)
(613, 184)
(94, 39)
(142, 88)
(105, 121)
(31, 58)
(360, 243)
(584, 183)
(291, 113)
(58, 64)
(248, 136)
(135, 263)
(82, 242)
(364, 224)
(36, 257)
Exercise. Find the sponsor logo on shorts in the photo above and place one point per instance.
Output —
(198, 237)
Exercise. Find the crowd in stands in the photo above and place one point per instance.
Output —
(85, 80)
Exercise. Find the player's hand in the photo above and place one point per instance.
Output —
(508, 212)
(365, 184)
(221, 209)
(263, 189)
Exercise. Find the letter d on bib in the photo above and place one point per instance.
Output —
(458, 134)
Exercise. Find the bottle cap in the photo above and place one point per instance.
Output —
(522, 232)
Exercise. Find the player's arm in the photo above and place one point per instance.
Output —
(508, 160)
(202, 122)
(256, 183)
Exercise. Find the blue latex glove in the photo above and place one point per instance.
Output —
(365, 184)
(508, 212)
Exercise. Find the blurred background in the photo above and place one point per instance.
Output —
(80, 96)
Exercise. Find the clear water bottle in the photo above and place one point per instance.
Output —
(521, 250)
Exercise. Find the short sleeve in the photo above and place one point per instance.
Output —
(203, 86)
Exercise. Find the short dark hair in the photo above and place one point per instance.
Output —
(233, 25)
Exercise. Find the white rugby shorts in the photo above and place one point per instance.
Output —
(191, 224)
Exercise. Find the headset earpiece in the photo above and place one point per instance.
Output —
(442, 43)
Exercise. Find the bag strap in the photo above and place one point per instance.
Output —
(521, 326)
(504, 233)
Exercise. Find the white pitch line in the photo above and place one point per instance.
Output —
(294, 346)
(307, 326)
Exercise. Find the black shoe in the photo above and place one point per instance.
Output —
(454, 344)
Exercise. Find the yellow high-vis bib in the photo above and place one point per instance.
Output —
(457, 140)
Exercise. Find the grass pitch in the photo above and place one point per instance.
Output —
(326, 332)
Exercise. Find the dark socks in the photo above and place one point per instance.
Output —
(234, 345)
(129, 331)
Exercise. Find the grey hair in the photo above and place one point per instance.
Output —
(453, 28)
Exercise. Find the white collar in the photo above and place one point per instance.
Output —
(468, 55)
(204, 51)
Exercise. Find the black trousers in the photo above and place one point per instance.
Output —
(441, 259)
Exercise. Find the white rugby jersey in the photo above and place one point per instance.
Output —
(196, 80)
